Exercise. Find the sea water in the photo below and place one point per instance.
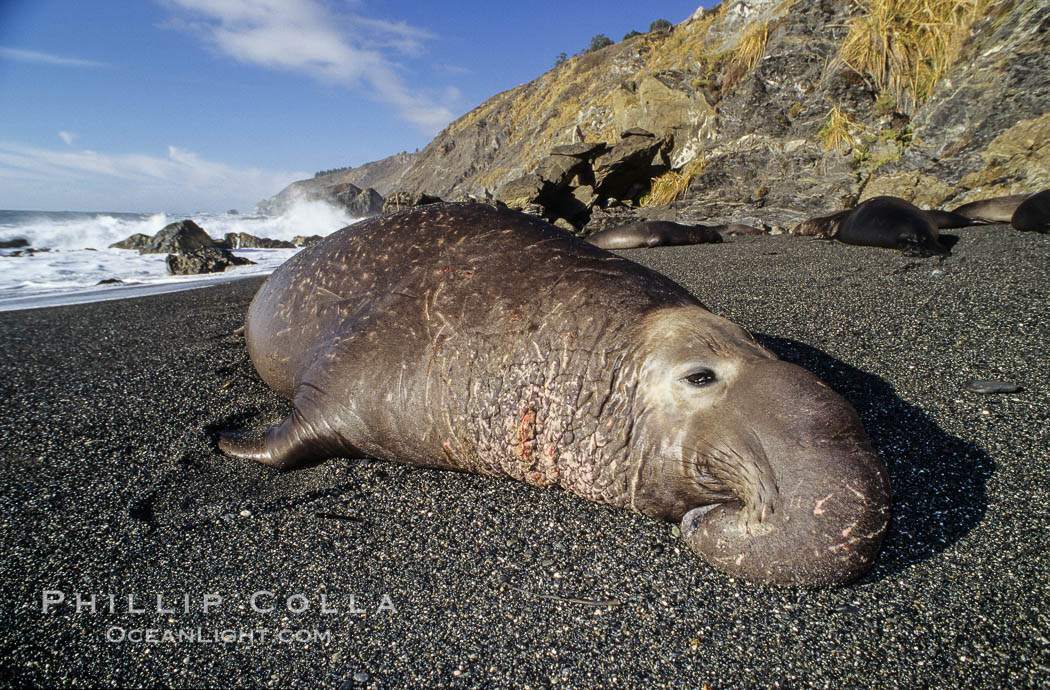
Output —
(78, 257)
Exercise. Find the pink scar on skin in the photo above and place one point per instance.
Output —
(819, 509)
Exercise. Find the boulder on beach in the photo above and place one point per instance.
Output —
(573, 179)
(625, 171)
(399, 201)
(14, 243)
(211, 259)
(306, 240)
(367, 203)
(183, 236)
(244, 240)
(137, 242)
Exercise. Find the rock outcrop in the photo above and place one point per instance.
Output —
(203, 260)
(306, 240)
(765, 117)
(244, 240)
(137, 242)
(186, 242)
(377, 180)
(399, 201)
(383, 175)
(574, 179)
(359, 203)
(180, 237)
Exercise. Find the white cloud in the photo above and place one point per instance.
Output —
(452, 69)
(67, 137)
(308, 37)
(46, 58)
(182, 181)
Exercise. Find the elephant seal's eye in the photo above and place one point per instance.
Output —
(703, 377)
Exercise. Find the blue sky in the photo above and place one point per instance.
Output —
(205, 105)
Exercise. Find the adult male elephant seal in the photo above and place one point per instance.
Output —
(885, 221)
(654, 233)
(462, 337)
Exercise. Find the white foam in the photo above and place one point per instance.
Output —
(80, 230)
(70, 272)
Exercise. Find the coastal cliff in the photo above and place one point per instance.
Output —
(772, 111)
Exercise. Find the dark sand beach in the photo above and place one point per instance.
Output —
(112, 486)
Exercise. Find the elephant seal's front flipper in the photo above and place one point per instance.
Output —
(283, 446)
(305, 436)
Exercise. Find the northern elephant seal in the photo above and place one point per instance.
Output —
(1028, 212)
(884, 221)
(463, 337)
(1033, 214)
(654, 233)
(995, 210)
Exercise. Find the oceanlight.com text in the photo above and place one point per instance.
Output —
(224, 636)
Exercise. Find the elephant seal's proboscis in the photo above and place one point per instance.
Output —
(463, 337)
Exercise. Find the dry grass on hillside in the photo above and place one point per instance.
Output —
(906, 46)
(838, 129)
(672, 185)
(746, 54)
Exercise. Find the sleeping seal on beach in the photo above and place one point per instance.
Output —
(885, 221)
(463, 337)
(1033, 214)
(654, 233)
(1028, 212)
(995, 210)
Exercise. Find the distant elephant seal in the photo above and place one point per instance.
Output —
(738, 230)
(999, 209)
(888, 221)
(821, 227)
(883, 221)
(1033, 214)
(464, 337)
(654, 233)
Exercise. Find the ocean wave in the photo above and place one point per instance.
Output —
(74, 230)
(79, 258)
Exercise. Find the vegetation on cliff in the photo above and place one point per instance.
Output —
(905, 47)
(781, 108)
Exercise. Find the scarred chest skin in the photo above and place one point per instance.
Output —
(532, 383)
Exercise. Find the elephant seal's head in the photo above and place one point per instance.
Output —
(768, 469)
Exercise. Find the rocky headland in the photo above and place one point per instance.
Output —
(762, 112)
